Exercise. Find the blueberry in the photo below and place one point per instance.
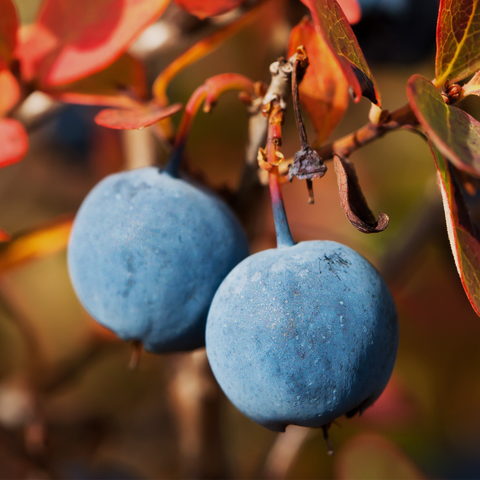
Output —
(302, 335)
(147, 253)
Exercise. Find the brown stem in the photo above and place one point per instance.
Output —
(325, 428)
(196, 403)
(35, 358)
(296, 103)
(71, 369)
(284, 452)
(345, 146)
(135, 357)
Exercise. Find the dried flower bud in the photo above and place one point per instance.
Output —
(307, 165)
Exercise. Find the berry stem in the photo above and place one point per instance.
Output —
(274, 141)
(209, 93)
(135, 357)
(300, 63)
(325, 428)
(191, 109)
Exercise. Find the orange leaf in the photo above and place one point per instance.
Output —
(116, 86)
(208, 8)
(9, 92)
(37, 243)
(323, 90)
(135, 118)
(71, 40)
(331, 23)
(458, 36)
(374, 457)
(13, 141)
(199, 50)
(8, 32)
(462, 232)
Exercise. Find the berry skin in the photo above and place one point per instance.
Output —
(147, 253)
(302, 335)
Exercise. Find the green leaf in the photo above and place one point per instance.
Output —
(331, 23)
(462, 232)
(374, 457)
(455, 133)
(458, 37)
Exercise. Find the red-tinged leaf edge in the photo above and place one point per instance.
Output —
(463, 233)
(353, 201)
(208, 8)
(345, 47)
(122, 84)
(457, 27)
(13, 141)
(135, 118)
(455, 133)
(352, 10)
(55, 55)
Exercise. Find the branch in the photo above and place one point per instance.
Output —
(284, 452)
(345, 146)
(196, 401)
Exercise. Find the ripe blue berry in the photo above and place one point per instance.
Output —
(302, 335)
(147, 253)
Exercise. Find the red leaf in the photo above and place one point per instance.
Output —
(4, 236)
(135, 118)
(208, 8)
(458, 37)
(455, 133)
(352, 10)
(71, 40)
(8, 32)
(323, 90)
(331, 23)
(9, 92)
(462, 232)
(13, 141)
(115, 86)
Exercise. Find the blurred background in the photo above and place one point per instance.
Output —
(69, 405)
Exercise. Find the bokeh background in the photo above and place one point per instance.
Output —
(69, 405)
